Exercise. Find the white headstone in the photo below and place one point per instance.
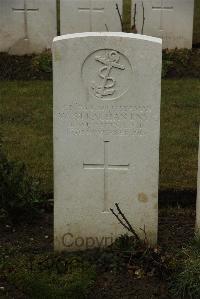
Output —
(198, 193)
(27, 26)
(90, 15)
(106, 136)
(171, 20)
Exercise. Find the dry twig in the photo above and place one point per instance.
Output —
(120, 17)
(143, 18)
(134, 29)
(126, 223)
(106, 27)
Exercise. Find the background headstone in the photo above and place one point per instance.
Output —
(27, 26)
(106, 136)
(90, 15)
(198, 193)
(196, 27)
(171, 20)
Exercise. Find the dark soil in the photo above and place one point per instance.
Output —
(32, 238)
(176, 227)
(123, 286)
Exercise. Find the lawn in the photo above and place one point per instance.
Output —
(180, 117)
(26, 126)
(26, 129)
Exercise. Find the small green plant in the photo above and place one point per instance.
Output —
(166, 67)
(186, 281)
(19, 193)
(181, 63)
(43, 62)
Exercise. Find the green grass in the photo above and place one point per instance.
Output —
(46, 275)
(185, 281)
(26, 126)
(180, 117)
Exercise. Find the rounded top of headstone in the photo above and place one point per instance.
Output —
(109, 34)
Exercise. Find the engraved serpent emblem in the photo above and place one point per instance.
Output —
(109, 61)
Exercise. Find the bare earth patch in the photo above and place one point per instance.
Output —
(176, 228)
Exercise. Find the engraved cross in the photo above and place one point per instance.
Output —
(162, 8)
(106, 167)
(25, 11)
(91, 10)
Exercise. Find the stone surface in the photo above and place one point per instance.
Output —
(89, 15)
(171, 20)
(106, 136)
(27, 26)
(198, 193)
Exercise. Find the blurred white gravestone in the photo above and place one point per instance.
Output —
(90, 15)
(27, 26)
(171, 20)
(198, 193)
(106, 136)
